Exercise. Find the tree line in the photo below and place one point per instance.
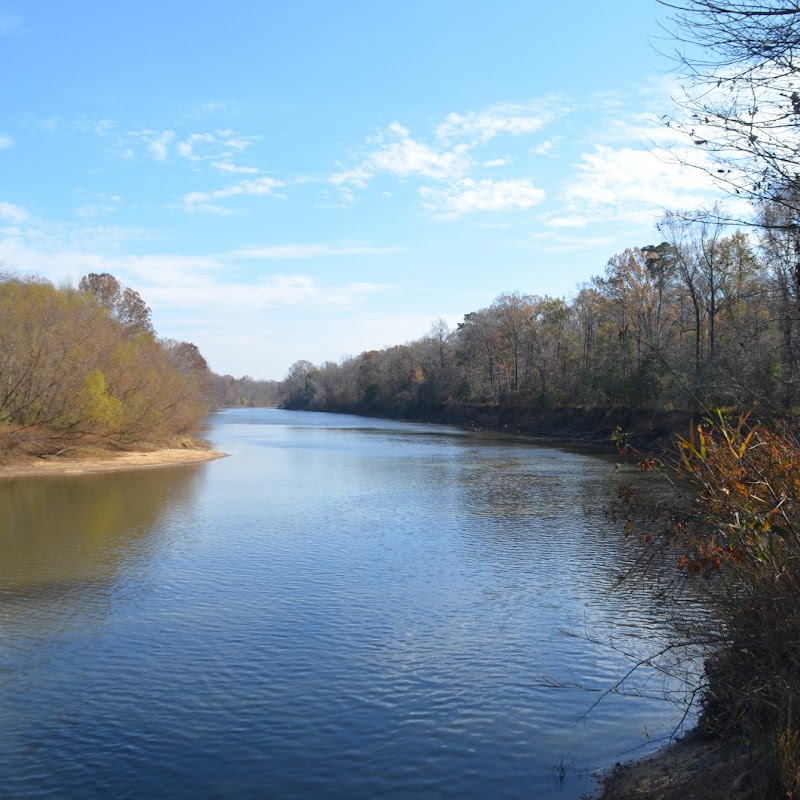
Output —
(84, 364)
(245, 392)
(708, 317)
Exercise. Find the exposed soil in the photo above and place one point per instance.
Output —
(647, 429)
(700, 770)
(76, 462)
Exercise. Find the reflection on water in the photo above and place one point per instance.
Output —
(345, 608)
(68, 532)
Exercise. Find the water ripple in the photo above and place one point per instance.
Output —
(347, 608)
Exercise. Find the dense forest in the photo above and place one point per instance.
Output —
(708, 317)
(83, 364)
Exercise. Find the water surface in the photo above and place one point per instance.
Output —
(345, 608)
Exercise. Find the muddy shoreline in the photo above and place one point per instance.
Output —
(711, 769)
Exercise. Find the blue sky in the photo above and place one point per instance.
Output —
(285, 180)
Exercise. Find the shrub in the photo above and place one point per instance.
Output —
(741, 533)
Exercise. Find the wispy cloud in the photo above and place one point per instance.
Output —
(406, 156)
(198, 282)
(226, 166)
(564, 221)
(186, 147)
(217, 149)
(158, 143)
(13, 214)
(97, 206)
(393, 151)
(563, 243)
(204, 201)
(504, 118)
(547, 147)
(98, 127)
(469, 196)
(9, 23)
(80, 123)
(268, 292)
(632, 184)
(218, 145)
(450, 157)
(306, 251)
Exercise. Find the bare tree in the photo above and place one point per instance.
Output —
(741, 93)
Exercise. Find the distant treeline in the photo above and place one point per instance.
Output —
(707, 318)
(84, 364)
(246, 392)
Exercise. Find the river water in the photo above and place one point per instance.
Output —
(344, 608)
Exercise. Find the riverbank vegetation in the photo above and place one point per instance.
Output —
(740, 534)
(733, 526)
(84, 365)
(704, 318)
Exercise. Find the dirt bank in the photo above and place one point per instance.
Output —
(647, 429)
(79, 462)
(705, 770)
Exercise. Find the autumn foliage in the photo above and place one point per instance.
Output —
(740, 536)
(75, 366)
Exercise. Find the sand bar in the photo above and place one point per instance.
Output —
(16, 466)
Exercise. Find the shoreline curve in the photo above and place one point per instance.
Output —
(23, 466)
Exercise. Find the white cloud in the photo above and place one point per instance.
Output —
(201, 283)
(186, 147)
(213, 106)
(636, 185)
(5, 141)
(97, 127)
(358, 176)
(304, 251)
(237, 142)
(468, 196)
(645, 129)
(267, 352)
(409, 157)
(564, 244)
(395, 152)
(455, 164)
(505, 118)
(13, 214)
(98, 206)
(226, 166)
(158, 143)
(218, 148)
(203, 201)
(562, 221)
(546, 147)
(271, 291)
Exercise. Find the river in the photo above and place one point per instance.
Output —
(344, 608)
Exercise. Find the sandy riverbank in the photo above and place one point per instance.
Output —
(704, 770)
(77, 462)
